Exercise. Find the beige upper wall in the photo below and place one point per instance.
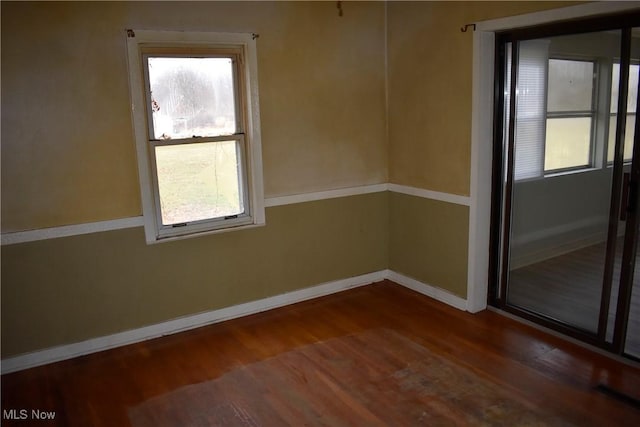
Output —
(67, 149)
(430, 85)
(68, 154)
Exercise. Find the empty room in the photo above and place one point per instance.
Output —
(322, 213)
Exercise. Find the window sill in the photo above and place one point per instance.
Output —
(570, 172)
(197, 234)
(558, 174)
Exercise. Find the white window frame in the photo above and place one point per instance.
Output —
(248, 137)
(599, 115)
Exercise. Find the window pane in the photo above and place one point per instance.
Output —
(191, 97)
(632, 94)
(628, 137)
(531, 92)
(568, 143)
(198, 181)
(570, 85)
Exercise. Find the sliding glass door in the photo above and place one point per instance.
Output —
(566, 180)
(626, 312)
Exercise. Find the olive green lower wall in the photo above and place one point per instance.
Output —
(429, 241)
(66, 290)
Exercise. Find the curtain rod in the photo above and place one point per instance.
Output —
(466, 27)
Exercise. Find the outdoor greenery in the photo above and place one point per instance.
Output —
(198, 181)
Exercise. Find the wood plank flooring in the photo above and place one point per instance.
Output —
(548, 373)
(568, 288)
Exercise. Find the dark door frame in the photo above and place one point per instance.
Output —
(501, 193)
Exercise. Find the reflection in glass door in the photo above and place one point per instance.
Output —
(627, 318)
(562, 184)
(568, 188)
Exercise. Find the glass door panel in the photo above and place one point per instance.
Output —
(632, 343)
(632, 306)
(561, 184)
(628, 148)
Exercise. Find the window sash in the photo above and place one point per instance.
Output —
(235, 55)
(591, 114)
(579, 147)
(247, 140)
(213, 223)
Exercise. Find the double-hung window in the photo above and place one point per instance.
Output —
(563, 105)
(570, 115)
(196, 123)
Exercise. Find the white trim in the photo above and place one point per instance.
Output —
(252, 165)
(11, 238)
(430, 194)
(70, 230)
(482, 128)
(254, 131)
(323, 195)
(94, 345)
(436, 293)
(138, 221)
(481, 162)
(182, 324)
(139, 124)
(560, 14)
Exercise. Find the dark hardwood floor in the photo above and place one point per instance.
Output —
(305, 341)
(568, 288)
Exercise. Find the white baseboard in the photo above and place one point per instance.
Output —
(580, 227)
(181, 324)
(534, 257)
(438, 294)
(69, 351)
